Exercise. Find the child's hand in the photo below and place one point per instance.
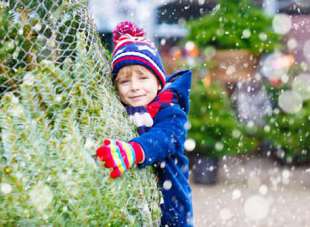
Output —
(119, 155)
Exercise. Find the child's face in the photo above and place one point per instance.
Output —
(136, 85)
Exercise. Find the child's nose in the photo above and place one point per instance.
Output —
(134, 85)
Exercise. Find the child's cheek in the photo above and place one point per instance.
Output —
(123, 100)
(119, 89)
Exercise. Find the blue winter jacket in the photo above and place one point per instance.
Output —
(163, 145)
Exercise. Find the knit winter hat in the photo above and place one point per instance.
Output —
(131, 48)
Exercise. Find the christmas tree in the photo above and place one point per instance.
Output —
(214, 126)
(288, 127)
(55, 109)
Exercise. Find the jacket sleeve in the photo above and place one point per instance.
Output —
(166, 137)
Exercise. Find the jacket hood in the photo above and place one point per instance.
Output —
(180, 84)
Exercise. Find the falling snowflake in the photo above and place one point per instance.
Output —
(286, 176)
(5, 188)
(290, 101)
(292, 44)
(58, 98)
(256, 207)
(41, 196)
(263, 189)
(163, 42)
(236, 194)
(167, 185)
(301, 84)
(267, 128)
(219, 146)
(282, 24)
(226, 214)
(236, 133)
(246, 33)
(187, 124)
(190, 144)
(262, 36)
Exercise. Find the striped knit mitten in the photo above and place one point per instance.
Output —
(119, 156)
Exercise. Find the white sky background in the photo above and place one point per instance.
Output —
(107, 13)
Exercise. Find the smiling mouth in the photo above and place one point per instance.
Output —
(137, 97)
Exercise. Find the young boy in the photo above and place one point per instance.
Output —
(159, 109)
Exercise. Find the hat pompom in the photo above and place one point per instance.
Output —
(126, 28)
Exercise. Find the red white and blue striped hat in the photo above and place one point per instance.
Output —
(131, 48)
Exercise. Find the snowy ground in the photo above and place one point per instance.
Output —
(254, 192)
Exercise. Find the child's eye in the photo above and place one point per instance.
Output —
(123, 81)
(144, 77)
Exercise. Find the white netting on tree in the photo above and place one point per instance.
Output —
(57, 104)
